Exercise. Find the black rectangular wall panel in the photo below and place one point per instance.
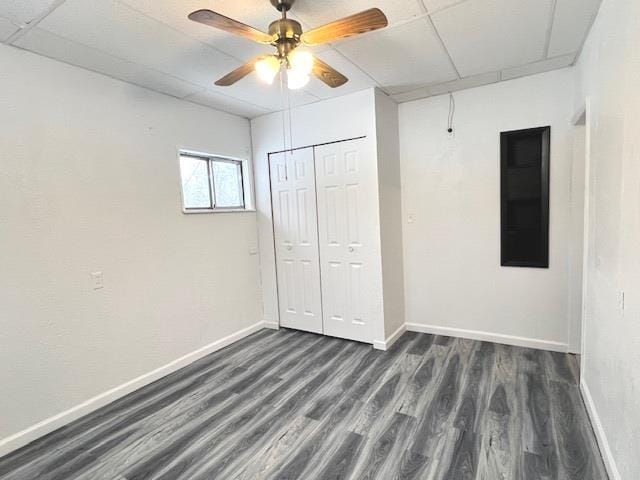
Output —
(524, 197)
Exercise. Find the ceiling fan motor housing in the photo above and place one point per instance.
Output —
(287, 35)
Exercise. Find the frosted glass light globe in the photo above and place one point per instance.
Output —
(296, 79)
(267, 69)
(301, 61)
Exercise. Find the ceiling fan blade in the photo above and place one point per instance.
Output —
(239, 73)
(213, 19)
(362, 22)
(328, 74)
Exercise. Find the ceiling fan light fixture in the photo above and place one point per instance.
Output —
(301, 61)
(267, 68)
(296, 79)
(300, 65)
(286, 34)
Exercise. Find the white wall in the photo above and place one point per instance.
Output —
(453, 279)
(608, 77)
(576, 239)
(389, 184)
(89, 181)
(339, 118)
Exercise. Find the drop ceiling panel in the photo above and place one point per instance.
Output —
(315, 13)
(453, 86)
(6, 29)
(252, 90)
(538, 67)
(22, 12)
(433, 6)
(571, 22)
(490, 35)
(45, 43)
(116, 29)
(401, 58)
(153, 44)
(225, 103)
(258, 14)
(358, 80)
(464, 83)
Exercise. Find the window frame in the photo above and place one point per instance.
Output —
(244, 183)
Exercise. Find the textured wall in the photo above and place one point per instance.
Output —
(389, 185)
(608, 76)
(89, 181)
(451, 186)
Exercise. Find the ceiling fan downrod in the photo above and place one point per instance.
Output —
(283, 6)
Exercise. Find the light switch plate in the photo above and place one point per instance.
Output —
(98, 280)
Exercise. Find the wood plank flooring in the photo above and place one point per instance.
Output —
(293, 405)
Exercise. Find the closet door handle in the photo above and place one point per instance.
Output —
(350, 249)
(289, 247)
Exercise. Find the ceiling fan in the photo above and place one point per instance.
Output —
(286, 36)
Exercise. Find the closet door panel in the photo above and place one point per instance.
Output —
(293, 196)
(347, 218)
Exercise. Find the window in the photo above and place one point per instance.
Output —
(525, 197)
(211, 183)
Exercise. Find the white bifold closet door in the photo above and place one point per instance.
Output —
(293, 197)
(347, 225)
(325, 214)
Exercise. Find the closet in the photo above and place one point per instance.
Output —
(327, 238)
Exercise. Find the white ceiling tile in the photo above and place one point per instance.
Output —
(538, 67)
(22, 12)
(118, 30)
(143, 76)
(225, 103)
(48, 44)
(258, 14)
(418, 93)
(358, 80)
(315, 13)
(152, 43)
(490, 35)
(272, 97)
(464, 83)
(174, 13)
(446, 87)
(7, 29)
(402, 57)
(45, 43)
(571, 22)
(434, 6)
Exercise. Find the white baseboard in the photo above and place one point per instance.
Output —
(489, 337)
(271, 325)
(36, 431)
(390, 340)
(603, 443)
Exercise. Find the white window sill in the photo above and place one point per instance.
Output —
(216, 210)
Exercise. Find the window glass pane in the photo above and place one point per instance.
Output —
(227, 182)
(195, 182)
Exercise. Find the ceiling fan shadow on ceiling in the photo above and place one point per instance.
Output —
(286, 36)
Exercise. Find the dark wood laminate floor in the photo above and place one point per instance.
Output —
(292, 405)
